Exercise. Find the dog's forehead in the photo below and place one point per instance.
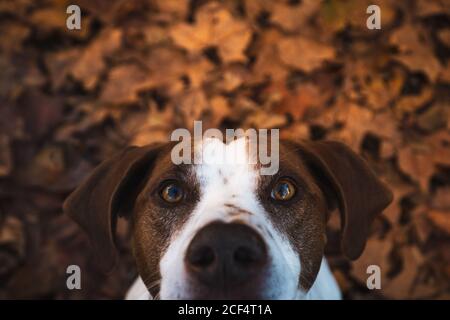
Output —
(220, 163)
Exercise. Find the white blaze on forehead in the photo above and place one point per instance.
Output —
(225, 165)
(226, 176)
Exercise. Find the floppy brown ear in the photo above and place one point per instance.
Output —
(360, 195)
(110, 190)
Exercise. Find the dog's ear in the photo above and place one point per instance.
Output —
(357, 191)
(109, 191)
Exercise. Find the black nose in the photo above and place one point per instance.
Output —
(226, 255)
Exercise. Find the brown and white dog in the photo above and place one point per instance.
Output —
(223, 231)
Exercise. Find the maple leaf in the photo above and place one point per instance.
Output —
(214, 26)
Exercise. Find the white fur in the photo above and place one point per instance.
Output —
(231, 161)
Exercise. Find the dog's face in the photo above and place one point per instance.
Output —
(220, 229)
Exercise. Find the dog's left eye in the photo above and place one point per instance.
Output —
(171, 193)
(284, 190)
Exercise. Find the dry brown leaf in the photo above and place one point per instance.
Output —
(291, 18)
(297, 103)
(214, 26)
(94, 115)
(417, 163)
(364, 82)
(174, 8)
(90, 63)
(440, 144)
(296, 131)
(166, 67)
(124, 83)
(402, 285)
(148, 127)
(191, 106)
(393, 211)
(444, 74)
(421, 224)
(220, 109)
(441, 199)
(255, 8)
(264, 119)
(268, 63)
(415, 50)
(357, 122)
(232, 78)
(440, 219)
(411, 103)
(304, 54)
(431, 7)
(444, 36)
(60, 65)
(434, 117)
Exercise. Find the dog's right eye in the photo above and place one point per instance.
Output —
(172, 193)
(284, 190)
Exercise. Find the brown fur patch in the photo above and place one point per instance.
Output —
(303, 218)
(154, 221)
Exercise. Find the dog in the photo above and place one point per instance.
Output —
(223, 231)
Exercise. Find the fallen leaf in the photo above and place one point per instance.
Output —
(263, 119)
(417, 163)
(214, 26)
(431, 7)
(268, 63)
(439, 142)
(124, 83)
(305, 96)
(292, 17)
(444, 36)
(191, 106)
(90, 63)
(402, 285)
(220, 109)
(440, 219)
(60, 65)
(433, 118)
(415, 51)
(412, 103)
(441, 199)
(304, 54)
(148, 126)
(393, 211)
(421, 224)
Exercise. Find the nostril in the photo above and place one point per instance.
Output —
(202, 257)
(246, 256)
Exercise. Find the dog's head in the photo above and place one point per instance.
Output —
(222, 230)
